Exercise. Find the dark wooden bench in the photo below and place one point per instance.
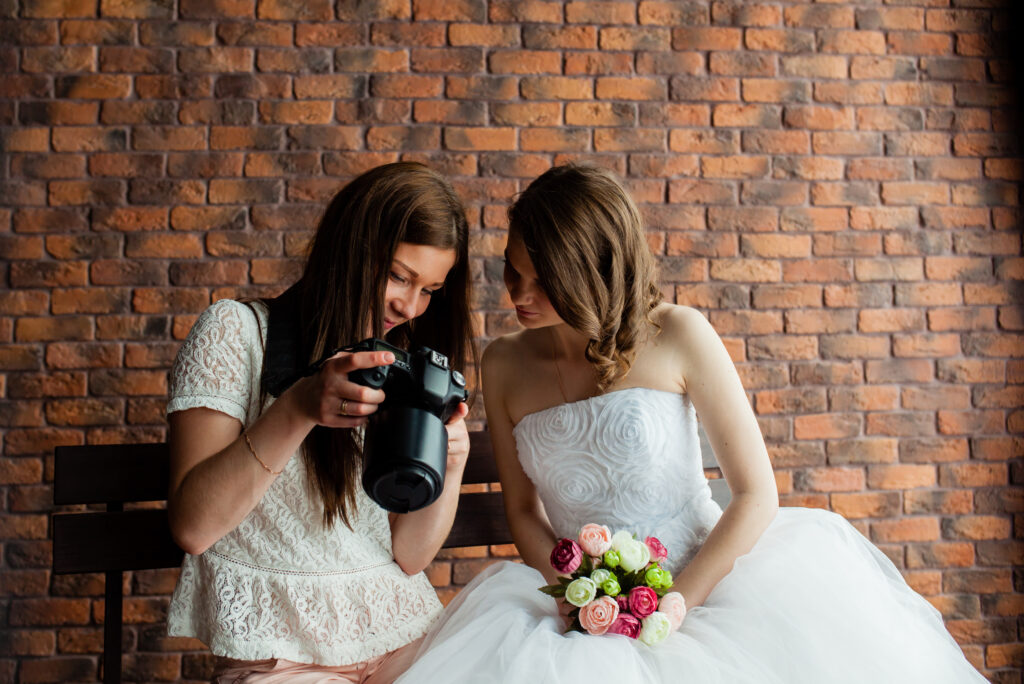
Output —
(117, 540)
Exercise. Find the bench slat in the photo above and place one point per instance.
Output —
(100, 542)
(114, 473)
(479, 521)
(110, 473)
(481, 466)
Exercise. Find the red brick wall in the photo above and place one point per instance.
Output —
(835, 184)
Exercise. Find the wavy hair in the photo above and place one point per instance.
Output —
(585, 237)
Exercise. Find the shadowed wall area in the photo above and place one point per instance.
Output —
(834, 184)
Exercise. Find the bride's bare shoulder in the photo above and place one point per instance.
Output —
(676, 322)
(508, 351)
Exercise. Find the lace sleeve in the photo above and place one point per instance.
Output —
(216, 367)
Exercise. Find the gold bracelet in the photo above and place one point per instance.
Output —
(253, 452)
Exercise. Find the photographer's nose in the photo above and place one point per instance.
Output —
(404, 307)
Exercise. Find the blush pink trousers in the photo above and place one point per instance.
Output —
(380, 670)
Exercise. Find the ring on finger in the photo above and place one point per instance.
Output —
(344, 407)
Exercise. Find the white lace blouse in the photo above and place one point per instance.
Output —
(280, 585)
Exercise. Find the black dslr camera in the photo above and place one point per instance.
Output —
(405, 447)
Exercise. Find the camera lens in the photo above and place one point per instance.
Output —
(406, 455)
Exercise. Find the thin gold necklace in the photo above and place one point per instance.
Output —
(554, 359)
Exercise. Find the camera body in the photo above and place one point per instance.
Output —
(405, 447)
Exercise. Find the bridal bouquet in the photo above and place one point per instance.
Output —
(616, 585)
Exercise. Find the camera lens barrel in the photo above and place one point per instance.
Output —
(410, 454)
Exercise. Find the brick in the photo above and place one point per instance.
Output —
(589, 113)
(667, 63)
(779, 40)
(829, 479)
(973, 475)
(540, 36)
(114, 382)
(556, 87)
(457, 10)
(713, 88)
(847, 143)
(816, 117)
(814, 67)
(777, 193)
(976, 527)
(794, 400)
(484, 35)
(890, 320)
(479, 138)
(634, 88)
(703, 141)
(743, 219)
(921, 529)
(525, 62)
(630, 140)
(600, 13)
(706, 38)
(741, 64)
(789, 347)
(633, 38)
(295, 10)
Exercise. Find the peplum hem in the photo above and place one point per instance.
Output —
(244, 612)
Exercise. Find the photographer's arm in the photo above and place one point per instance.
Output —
(417, 537)
(531, 530)
(215, 481)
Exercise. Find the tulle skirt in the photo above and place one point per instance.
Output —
(813, 601)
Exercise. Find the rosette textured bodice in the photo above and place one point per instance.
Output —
(629, 459)
(280, 585)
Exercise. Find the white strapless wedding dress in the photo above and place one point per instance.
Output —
(814, 601)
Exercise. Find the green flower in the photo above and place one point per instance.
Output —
(652, 577)
(612, 558)
(600, 575)
(666, 579)
(581, 591)
(611, 586)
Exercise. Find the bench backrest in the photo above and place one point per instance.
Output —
(115, 540)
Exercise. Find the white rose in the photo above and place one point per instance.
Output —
(621, 539)
(580, 591)
(633, 556)
(655, 628)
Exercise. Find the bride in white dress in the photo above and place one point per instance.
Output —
(592, 411)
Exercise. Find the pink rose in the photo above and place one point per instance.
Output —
(597, 616)
(595, 539)
(626, 625)
(566, 556)
(623, 601)
(673, 605)
(658, 550)
(642, 602)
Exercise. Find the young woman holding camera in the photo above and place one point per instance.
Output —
(292, 572)
(592, 410)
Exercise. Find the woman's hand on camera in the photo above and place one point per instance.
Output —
(329, 398)
(458, 438)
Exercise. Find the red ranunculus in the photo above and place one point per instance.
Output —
(566, 556)
(658, 550)
(625, 624)
(642, 602)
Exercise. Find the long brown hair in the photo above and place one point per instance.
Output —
(585, 237)
(341, 295)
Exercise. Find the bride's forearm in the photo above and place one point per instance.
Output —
(534, 539)
(741, 525)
